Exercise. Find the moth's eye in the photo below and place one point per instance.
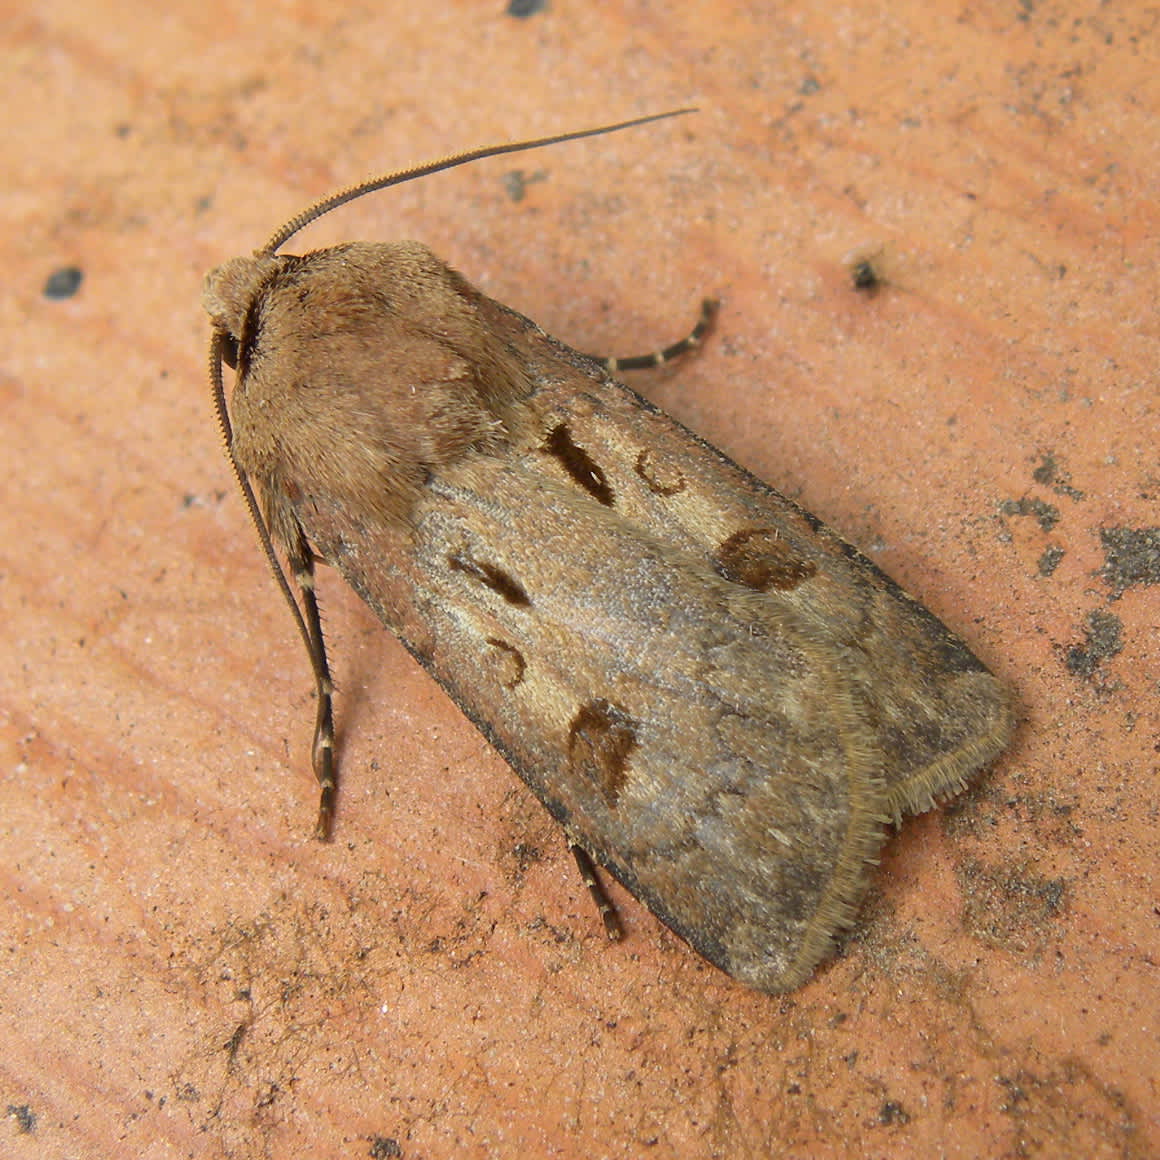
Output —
(228, 345)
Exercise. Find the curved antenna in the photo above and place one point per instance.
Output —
(286, 232)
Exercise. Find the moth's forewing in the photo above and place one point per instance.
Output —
(937, 713)
(718, 698)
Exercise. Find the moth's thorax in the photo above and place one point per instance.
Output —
(364, 368)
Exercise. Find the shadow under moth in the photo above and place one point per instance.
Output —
(721, 701)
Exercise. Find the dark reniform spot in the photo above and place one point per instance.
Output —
(578, 463)
(600, 740)
(512, 662)
(492, 577)
(758, 558)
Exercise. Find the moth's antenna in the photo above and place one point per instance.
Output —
(286, 232)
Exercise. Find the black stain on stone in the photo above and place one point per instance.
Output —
(1046, 514)
(1051, 474)
(63, 283)
(25, 1118)
(1049, 560)
(1131, 556)
(1103, 638)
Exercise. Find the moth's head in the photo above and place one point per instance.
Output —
(229, 292)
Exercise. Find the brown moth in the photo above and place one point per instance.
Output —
(720, 700)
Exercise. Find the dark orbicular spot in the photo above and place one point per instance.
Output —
(660, 477)
(600, 740)
(759, 558)
(492, 577)
(506, 661)
(578, 463)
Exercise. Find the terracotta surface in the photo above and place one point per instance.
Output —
(185, 973)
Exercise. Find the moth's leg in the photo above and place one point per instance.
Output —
(301, 561)
(660, 357)
(608, 913)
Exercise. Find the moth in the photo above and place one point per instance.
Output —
(721, 701)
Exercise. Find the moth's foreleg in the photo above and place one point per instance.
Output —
(301, 561)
